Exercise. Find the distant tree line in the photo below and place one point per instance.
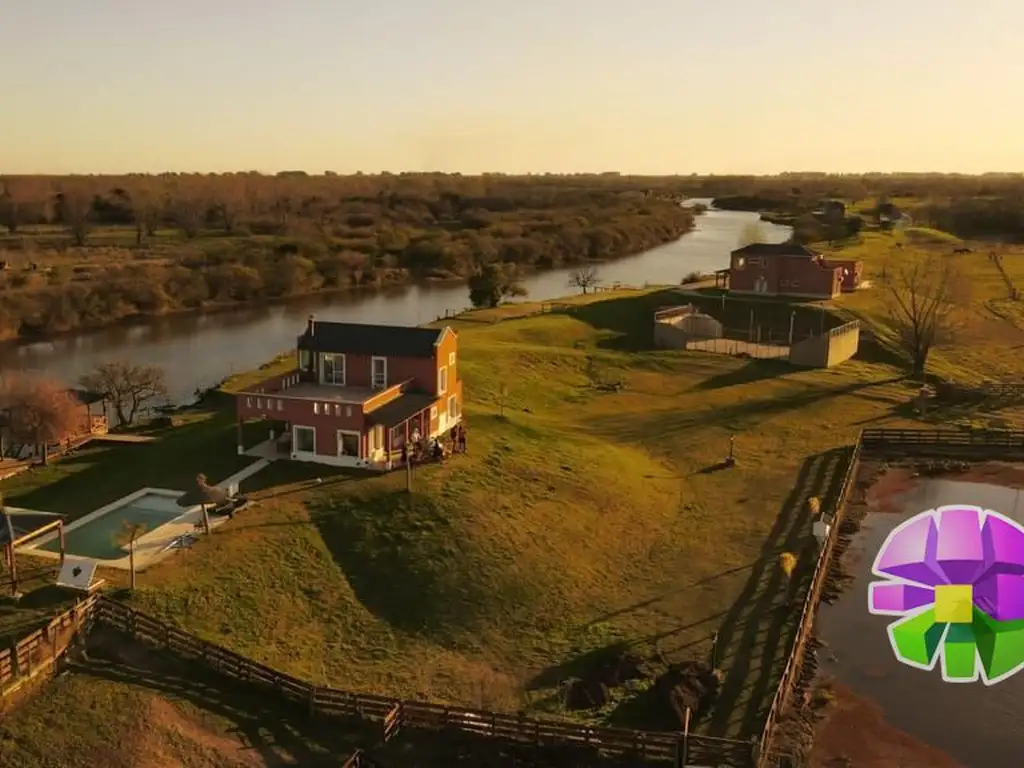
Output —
(191, 241)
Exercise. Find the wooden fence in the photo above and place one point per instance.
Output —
(791, 672)
(895, 443)
(39, 651)
(396, 715)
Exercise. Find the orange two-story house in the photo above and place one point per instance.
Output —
(358, 393)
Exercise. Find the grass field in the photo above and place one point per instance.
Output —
(581, 518)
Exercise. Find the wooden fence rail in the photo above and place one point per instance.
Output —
(943, 442)
(396, 715)
(44, 646)
(794, 663)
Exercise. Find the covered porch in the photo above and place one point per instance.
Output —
(722, 278)
(405, 420)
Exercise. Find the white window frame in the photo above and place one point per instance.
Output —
(295, 437)
(442, 380)
(248, 402)
(373, 374)
(451, 359)
(280, 405)
(316, 407)
(359, 441)
(453, 407)
(335, 356)
(433, 413)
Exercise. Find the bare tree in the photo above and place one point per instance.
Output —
(924, 296)
(74, 208)
(41, 412)
(584, 278)
(127, 387)
(147, 208)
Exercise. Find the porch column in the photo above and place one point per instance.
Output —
(60, 529)
(238, 435)
(387, 444)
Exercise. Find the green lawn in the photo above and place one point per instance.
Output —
(581, 518)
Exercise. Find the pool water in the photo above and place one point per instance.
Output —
(98, 538)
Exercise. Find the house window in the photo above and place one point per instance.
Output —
(248, 402)
(451, 359)
(334, 369)
(348, 410)
(453, 407)
(379, 372)
(348, 443)
(280, 405)
(794, 283)
(259, 403)
(442, 380)
(337, 410)
(433, 413)
(316, 408)
(305, 439)
(740, 261)
(304, 359)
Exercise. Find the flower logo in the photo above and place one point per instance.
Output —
(956, 576)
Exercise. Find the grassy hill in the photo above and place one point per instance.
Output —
(581, 518)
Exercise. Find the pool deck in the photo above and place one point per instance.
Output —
(159, 543)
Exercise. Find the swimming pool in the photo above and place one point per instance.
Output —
(96, 535)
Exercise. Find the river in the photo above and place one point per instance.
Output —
(198, 350)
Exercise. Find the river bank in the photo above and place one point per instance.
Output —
(200, 349)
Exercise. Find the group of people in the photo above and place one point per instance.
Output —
(415, 450)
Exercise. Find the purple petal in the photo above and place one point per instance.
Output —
(888, 597)
(1003, 542)
(909, 552)
(1001, 596)
(960, 553)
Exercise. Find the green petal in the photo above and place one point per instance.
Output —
(915, 639)
(1000, 645)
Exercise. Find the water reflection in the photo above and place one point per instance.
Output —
(199, 350)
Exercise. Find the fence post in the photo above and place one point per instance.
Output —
(686, 738)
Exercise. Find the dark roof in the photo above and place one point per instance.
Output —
(358, 339)
(775, 249)
(401, 408)
(85, 397)
(24, 523)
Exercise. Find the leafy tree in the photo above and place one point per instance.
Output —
(40, 411)
(491, 284)
(127, 387)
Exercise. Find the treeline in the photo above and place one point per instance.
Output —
(190, 241)
(979, 218)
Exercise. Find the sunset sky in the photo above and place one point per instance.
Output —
(650, 86)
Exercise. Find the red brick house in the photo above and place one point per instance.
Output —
(787, 269)
(357, 394)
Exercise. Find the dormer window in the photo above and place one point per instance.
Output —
(740, 261)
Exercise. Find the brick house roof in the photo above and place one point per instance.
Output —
(360, 339)
(776, 249)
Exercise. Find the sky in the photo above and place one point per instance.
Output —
(641, 86)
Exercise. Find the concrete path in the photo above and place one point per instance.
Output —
(238, 477)
(119, 438)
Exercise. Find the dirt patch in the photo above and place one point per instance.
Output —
(690, 685)
(855, 734)
(616, 667)
(173, 734)
(887, 489)
(999, 473)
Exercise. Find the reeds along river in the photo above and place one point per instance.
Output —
(200, 350)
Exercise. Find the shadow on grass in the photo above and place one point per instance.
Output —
(264, 724)
(755, 370)
(634, 427)
(756, 635)
(283, 473)
(630, 319)
(401, 556)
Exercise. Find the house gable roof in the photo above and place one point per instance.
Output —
(775, 249)
(360, 339)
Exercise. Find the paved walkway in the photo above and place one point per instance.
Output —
(238, 477)
(124, 438)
